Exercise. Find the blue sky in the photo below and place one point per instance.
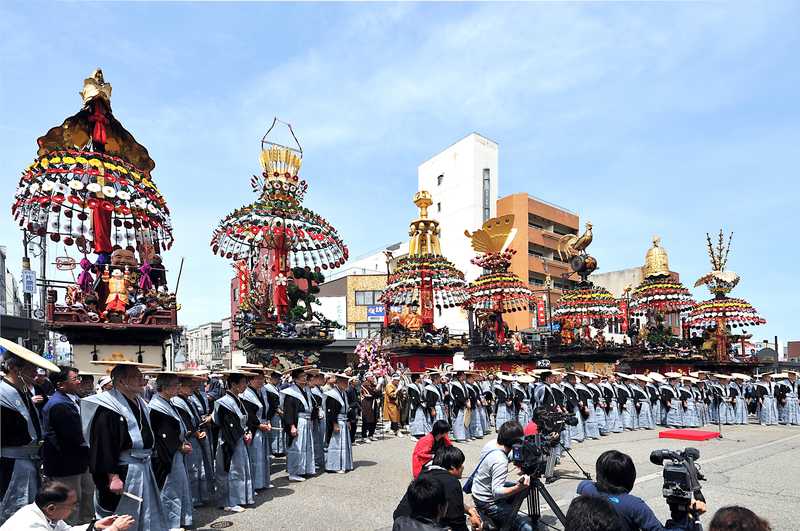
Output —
(657, 118)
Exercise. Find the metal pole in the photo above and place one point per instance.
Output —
(43, 273)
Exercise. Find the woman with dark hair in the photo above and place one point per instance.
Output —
(427, 446)
(736, 518)
(592, 514)
(616, 475)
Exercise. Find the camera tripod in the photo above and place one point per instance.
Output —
(585, 473)
(531, 495)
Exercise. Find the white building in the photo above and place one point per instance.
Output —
(463, 183)
(200, 344)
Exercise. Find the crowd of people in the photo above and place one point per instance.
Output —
(153, 451)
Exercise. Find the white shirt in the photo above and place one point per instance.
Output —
(32, 518)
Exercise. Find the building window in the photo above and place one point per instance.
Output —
(537, 279)
(438, 207)
(439, 179)
(367, 298)
(487, 193)
(367, 329)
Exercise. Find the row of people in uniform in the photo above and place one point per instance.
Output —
(156, 460)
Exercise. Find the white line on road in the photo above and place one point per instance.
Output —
(648, 477)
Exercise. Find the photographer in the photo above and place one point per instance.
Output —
(492, 494)
(616, 475)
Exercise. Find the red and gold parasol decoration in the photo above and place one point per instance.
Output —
(722, 311)
(276, 232)
(91, 184)
(497, 289)
(659, 291)
(424, 277)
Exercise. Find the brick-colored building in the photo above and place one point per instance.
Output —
(539, 226)
(793, 350)
(357, 295)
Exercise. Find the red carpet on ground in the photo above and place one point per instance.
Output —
(688, 435)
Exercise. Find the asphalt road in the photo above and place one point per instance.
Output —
(753, 466)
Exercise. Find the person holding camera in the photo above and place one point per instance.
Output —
(616, 475)
(492, 493)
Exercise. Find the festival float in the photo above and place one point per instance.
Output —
(421, 281)
(717, 319)
(279, 250)
(496, 292)
(90, 200)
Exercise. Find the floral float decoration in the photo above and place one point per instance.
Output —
(659, 291)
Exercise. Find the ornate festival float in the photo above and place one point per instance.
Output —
(279, 250)
(419, 283)
(496, 292)
(718, 324)
(89, 200)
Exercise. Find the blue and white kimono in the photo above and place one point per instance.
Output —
(143, 501)
(460, 395)
(475, 424)
(576, 433)
(613, 420)
(24, 482)
(275, 438)
(300, 453)
(690, 416)
(586, 400)
(208, 480)
(235, 485)
(485, 387)
(525, 412)
(257, 450)
(654, 397)
(789, 412)
(318, 428)
(176, 494)
(201, 490)
(700, 404)
(504, 405)
(339, 455)
(739, 404)
(641, 400)
(597, 404)
(768, 403)
(418, 424)
(672, 407)
(627, 409)
(726, 412)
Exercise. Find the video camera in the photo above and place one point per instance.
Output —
(530, 455)
(681, 478)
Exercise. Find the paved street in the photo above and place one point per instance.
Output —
(751, 466)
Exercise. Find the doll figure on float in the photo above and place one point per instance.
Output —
(117, 298)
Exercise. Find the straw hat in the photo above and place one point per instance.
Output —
(643, 378)
(525, 379)
(780, 375)
(304, 368)
(740, 376)
(505, 377)
(671, 375)
(722, 376)
(31, 357)
(227, 373)
(657, 377)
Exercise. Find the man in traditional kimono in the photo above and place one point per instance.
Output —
(641, 400)
(202, 489)
(475, 422)
(391, 405)
(671, 402)
(208, 443)
(586, 408)
(121, 443)
(740, 404)
(434, 400)
(370, 396)
(233, 473)
(418, 424)
(613, 420)
(273, 399)
(297, 409)
(788, 401)
(169, 450)
(339, 456)
(20, 428)
(686, 393)
(315, 381)
(461, 408)
(767, 401)
(573, 407)
(627, 412)
(725, 399)
(259, 426)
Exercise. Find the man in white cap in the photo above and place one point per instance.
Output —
(20, 428)
(789, 409)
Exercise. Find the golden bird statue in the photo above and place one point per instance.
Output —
(572, 245)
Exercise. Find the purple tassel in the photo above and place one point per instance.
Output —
(144, 280)
(85, 280)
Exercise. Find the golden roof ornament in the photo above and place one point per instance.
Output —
(495, 236)
(95, 86)
(656, 261)
(424, 232)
